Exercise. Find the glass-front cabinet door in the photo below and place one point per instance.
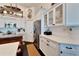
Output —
(55, 15)
(45, 20)
(59, 14)
(50, 18)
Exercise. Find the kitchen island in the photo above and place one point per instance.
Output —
(8, 38)
(12, 38)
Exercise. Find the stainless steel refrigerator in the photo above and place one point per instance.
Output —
(37, 32)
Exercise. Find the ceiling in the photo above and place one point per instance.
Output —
(27, 5)
(33, 4)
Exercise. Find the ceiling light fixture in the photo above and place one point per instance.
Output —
(11, 10)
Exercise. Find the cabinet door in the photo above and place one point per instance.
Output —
(48, 48)
(50, 18)
(69, 50)
(72, 14)
(43, 46)
(51, 50)
(45, 20)
(59, 14)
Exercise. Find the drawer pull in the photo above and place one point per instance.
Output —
(47, 40)
(61, 52)
(47, 44)
(68, 47)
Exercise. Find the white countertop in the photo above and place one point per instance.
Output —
(62, 39)
(11, 35)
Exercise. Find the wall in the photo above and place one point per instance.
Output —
(7, 19)
(65, 31)
(23, 22)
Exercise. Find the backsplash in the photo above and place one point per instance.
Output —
(65, 31)
(10, 28)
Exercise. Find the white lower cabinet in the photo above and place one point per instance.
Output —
(48, 48)
(69, 50)
(51, 48)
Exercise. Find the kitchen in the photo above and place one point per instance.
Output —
(52, 28)
(62, 21)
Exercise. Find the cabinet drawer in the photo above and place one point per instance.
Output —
(53, 44)
(67, 47)
(69, 50)
(43, 39)
(69, 53)
(48, 48)
(44, 47)
(49, 42)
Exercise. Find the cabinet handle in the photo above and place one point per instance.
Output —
(61, 52)
(68, 47)
(47, 44)
(53, 24)
(47, 40)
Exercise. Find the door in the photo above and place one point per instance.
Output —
(37, 32)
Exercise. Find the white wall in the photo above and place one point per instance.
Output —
(6, 19)
(29, 31)
(27, 23)
(64, 31)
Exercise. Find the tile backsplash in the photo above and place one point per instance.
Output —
(5, 30)
(65, 31)
(10, 28)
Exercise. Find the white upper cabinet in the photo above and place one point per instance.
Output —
(63, 14)
(55, 15)
(50, 17)
(45, 20)
(71, 14)
(59, 15)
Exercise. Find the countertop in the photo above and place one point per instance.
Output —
(62, 39)
(11, 35)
